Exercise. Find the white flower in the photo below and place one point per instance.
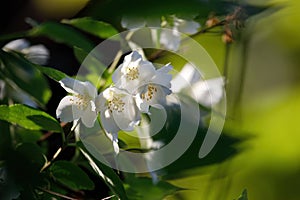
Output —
(80, 104)
(37, 54)
(170, 38)
(142, 80)
(206, 92)
(133, 73)
(154, 92)
(117, 110)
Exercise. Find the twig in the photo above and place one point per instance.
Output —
(56, 194)
(108, 197)
(226, 62)
(204, 30)
(159, 53)
(47, 164)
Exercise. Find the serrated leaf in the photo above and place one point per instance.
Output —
(138, 186)
(94, 27)
(22, 74)
(71, 176)
(106, 173)
(62, 33)
(29, 118)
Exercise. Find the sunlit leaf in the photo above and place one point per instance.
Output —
(94, 27)
(143, 189)
(29, 118)
(71, 176)
(51, 73)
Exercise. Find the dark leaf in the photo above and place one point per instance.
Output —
(106, 173)
(62, 33)
(19, 72)
(71, 176)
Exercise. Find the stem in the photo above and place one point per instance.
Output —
(116, 60)
(226, 62)
(241, 81)
(60, 149)
(56, 194)
(119, 53)
(204, 30)
(158, 53)
(47, 164)
(108, 197)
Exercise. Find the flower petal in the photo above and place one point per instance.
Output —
(89, 115)
(78, 87)
(37, 54)
(162, 77)
(142, 105)
(17, 45)
(187, 76)
(208, 92)
(108, 122)
(122, 122)
(170, 39)
(188, 26)
(147, 70)
(117, 75)
(66, 111)
(115, 142)
(132, 57)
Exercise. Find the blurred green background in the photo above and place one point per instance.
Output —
(268, 165)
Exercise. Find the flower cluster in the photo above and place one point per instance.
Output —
(170, 35)
(137, 86)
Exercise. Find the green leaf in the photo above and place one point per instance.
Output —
(5, 141)
(94, 27)
(243, 195)
(95, 70)
(21, 74)
(137, 187)
(111, 179)
(51, 73)
(33, 153)
(62, 33)
(71, 176)
(80, 54)
(29, 118)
